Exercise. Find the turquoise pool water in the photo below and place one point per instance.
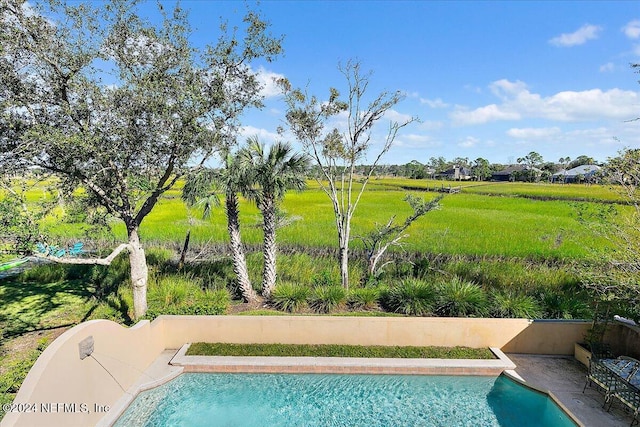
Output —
(228, 400)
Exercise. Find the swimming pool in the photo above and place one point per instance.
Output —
(341, 400)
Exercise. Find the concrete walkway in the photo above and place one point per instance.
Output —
(565, 378)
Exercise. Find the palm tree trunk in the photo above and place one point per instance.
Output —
(269, 246)
(237, 251)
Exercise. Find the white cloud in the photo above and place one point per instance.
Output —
(267, 80)
(533, 133)
(632, 29)
(607, 68)
(568, 106)
(416, 137)
(580, 36)
(395, 116)
(636, 49)
(489, 113)
(262, 134)
(434, 103)
(504, 88)
(468, 142)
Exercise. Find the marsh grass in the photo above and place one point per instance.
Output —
(469, 223)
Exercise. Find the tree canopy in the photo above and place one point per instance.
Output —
(120, 106)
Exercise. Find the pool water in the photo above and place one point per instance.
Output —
(228, 400)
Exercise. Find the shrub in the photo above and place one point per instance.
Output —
(565, 307)
(327, 298)
(289, 297)
(412, 297)
(44, 273)
(363, 298)
(184, 295)
(324, 278)
(460, 298)
(511, 304)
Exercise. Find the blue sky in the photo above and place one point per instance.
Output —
(488, 79)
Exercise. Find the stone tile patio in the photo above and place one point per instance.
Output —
(565, 378)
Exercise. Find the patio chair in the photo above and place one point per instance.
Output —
(76, 249)
(604, 378)
(601, 350)
(629, 396)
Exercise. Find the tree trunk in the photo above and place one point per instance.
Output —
(185, 248)
(237, 251)
(269, 248)
(343, 255)
(139, 273)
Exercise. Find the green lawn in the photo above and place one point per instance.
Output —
(334, 350)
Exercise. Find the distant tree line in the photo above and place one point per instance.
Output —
(479, 169)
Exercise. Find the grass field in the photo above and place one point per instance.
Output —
(468, 223)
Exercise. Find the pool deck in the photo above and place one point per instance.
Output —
(562, 376)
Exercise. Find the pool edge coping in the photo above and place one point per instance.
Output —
(161, 370)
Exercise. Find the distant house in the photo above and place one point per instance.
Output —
(516, 173)
(584, 173)
(455, 174)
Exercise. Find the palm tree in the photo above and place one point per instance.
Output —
(202, 188)
(270, 175)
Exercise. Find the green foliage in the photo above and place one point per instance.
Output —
(363, 298)
(335, 350)
(565, 306)
(326, 299)
(460, 298)
(184, 295)
(512, 304)
(262, 312)
(158, 256)
(14, 373)
(324, 278)
(289, 297)
(412, 297)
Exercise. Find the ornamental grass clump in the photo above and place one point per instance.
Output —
(325, 299)
(514, 305)
(412, 297)
(184, 295)
(289, 297)
(363, 298)
(461, 298)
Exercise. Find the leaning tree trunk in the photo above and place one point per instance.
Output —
(269, 248)
(139, 273)
(237, 251)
